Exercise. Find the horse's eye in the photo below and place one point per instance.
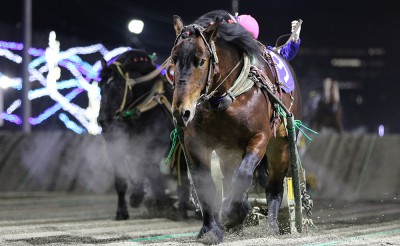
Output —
(202, 61)
(110, 79)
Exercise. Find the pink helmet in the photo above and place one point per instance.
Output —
(250, 24)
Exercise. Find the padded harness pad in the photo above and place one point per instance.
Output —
(284, 72)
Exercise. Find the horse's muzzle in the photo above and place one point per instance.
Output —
(182, 119)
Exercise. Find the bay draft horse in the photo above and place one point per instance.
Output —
(140, 113)
(237, 122)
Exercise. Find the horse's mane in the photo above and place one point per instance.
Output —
(230, 32)
(142, 64)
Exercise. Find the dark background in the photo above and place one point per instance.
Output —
(363, 29)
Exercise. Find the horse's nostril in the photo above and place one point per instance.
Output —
(186, 115)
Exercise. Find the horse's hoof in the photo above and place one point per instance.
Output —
(182, 215)
(233, 217)
(210, 237)
(182, 211)
(198, 215)
(272, 228)
(135, 199)
(237, 229)
(232, 225)
(122, 215)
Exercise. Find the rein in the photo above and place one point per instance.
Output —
(206, 97)
(154, 97)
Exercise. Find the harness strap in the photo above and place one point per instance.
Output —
(127, 87)
(155, 96)
(150, 75)
(119, 65)
(242, 84)
(238, 82)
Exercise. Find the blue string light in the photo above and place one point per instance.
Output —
(52, 110)
(82, 74)
(70, 124)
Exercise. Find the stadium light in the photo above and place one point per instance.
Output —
(136, 26)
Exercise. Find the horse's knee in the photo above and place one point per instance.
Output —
(243, 176)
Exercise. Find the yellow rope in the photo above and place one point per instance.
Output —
(127, 85)
(118, 65)
(121, 108)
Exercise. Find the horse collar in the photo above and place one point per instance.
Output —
(219, 103)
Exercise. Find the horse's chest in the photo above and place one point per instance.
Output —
(218, 128)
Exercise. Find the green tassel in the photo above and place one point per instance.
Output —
(174, 137)
(129, 113)
(298, 124)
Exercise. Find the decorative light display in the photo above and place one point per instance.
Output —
(16, 104)
(46, 68)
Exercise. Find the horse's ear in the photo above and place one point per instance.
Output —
(103, 63)
(178, 24)
(212, 29)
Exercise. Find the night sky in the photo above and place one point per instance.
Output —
(364, 29)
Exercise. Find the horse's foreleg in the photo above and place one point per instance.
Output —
(274, 199)
(183, 189)
(278, 163)
(157, 184)
(121, 185)
(236, 206)
(137, 193)
(199, 167)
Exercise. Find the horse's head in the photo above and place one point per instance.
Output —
(199, 72)
(115, 85)
(194, 58)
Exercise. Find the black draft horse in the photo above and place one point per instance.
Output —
(140, 113)
(216, 110)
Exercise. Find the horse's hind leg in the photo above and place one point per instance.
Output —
(278, 162)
